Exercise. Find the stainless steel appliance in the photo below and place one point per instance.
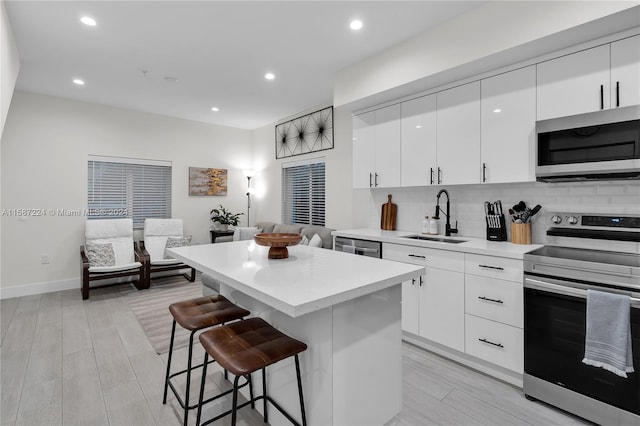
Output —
(589, 251)
(597, 145)
(360, 247)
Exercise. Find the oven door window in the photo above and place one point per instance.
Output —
(554, 336)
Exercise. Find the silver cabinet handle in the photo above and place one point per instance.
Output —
(370, 177)
(439, 175)
(375, 180)
(487, 299)
(421, 281)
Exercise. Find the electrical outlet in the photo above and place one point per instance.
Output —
(45, 259)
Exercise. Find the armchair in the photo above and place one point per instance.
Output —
(110, 253)
(159, 234)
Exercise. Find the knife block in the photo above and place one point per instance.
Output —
(496, 231)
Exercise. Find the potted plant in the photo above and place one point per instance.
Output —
(223, 218)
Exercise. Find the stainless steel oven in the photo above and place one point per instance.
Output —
(359, 247)
(556, 281)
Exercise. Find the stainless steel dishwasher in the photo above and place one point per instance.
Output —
(359, 247)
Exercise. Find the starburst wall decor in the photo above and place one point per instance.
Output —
(309, 133)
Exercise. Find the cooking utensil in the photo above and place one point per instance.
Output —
(535, 210)
(389, 214)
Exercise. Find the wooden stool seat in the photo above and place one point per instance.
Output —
(206, 311)
(194, 315)
(245, 347)
(250, 345)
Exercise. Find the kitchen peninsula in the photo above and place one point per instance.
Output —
(345, 307)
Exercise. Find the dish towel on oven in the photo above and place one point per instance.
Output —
(608, 337)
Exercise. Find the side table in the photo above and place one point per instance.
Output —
(215, 234)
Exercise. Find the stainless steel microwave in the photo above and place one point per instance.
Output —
(601, 145)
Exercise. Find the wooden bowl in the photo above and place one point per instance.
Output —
(277, 243)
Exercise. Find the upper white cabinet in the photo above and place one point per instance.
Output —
(376, 148)
(625, 72)
(458, 122)
(599, 78)
(508, 115)
(418, 143)
(574, 84)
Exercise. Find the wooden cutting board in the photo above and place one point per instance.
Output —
(388, 218)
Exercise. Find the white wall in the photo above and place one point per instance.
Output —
(496, 34)
(9, 64)
(44, 165)
(267, 205)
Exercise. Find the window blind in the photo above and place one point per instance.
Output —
(128, 190)
(303, 194)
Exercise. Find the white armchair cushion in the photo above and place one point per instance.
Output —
(116, 268)
(118, 232)
(245, 233)
(100, 254)
(176, 242)
(162, 227)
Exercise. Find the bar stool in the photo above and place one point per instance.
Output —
(194, 315)
(243, 348)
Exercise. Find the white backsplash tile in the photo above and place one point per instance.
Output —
(467, 203)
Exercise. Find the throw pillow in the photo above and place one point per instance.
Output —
(304, 241)
(245, 233)
(315, 241)
(100, 254)
(176, 242)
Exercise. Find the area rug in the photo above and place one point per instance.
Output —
(151, 308)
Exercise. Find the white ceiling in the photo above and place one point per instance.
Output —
(218, 51)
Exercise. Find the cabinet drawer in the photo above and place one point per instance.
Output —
(494, 342)
(493, 299)
(493, 267)
(441, 259)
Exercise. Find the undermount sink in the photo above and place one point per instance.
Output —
(438, 239)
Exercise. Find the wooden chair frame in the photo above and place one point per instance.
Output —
(149, 268)
(87, 277)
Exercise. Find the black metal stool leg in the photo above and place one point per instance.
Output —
(235, 401)
(186, 396)
(166, 379)
(304, 416)
(253, 403)
(265, 414)
(201, 397)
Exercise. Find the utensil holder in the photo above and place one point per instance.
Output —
(521, 233)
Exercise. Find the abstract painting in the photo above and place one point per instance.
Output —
(204, 181)
(309, 133)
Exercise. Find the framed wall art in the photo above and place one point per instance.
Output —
(309, 133)
(203, 181)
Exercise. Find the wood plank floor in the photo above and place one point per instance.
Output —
(65, 361)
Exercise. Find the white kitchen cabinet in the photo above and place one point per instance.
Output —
(625, 72)
(508, 116)
(418, 142)
(494, 313)
(574, 84)
(363, 149)
(376, 148)
(439, 313)
(458, 130)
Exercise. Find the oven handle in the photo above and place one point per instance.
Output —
(565, 289)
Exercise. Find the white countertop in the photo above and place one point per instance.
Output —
(471, 245)
(310, 279)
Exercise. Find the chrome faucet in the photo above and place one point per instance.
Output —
(448, 230)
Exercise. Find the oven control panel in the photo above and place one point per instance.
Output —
(590, 221)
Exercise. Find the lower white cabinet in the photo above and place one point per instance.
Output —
(495, 342)
(433, 305)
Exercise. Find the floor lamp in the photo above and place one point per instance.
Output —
(249, 174)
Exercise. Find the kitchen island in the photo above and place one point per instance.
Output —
(346, 308)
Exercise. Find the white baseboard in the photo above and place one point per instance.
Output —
(39, 288)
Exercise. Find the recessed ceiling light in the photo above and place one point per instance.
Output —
(88, 21)
(269, 76)
(497, 110)
(78, 82)
(418, 127)
(215, 109)
(356, 24)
